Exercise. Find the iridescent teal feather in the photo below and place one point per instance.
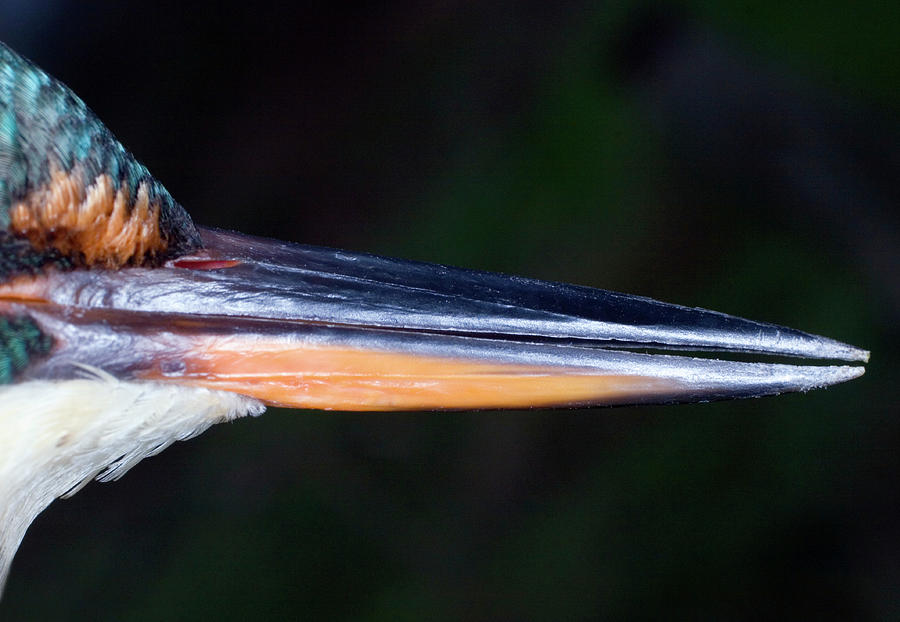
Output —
(20, 342)
(43, 124)
(18, 257)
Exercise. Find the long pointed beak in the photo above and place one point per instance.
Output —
(319, 328)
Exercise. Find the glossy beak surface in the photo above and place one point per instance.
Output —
(312, 327)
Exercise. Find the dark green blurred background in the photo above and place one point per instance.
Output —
(741, 156)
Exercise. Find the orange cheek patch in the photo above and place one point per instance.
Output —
(104, 226)
(332, 378)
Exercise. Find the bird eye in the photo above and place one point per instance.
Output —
(206, 264)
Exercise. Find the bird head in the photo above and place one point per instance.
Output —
(124, 326)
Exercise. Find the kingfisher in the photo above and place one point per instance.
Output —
(125, 327)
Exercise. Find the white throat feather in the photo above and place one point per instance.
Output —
(55, 436)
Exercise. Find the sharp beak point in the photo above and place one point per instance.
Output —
(310, 327)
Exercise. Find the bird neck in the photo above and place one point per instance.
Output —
(55, 436)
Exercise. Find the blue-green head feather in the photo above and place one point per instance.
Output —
(45, 129)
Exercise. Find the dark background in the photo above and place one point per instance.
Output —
(741, 156)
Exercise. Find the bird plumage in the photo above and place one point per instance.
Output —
(57, 436)
(55, 157)
(21, 340)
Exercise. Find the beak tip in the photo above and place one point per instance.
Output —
(846, 352)
(827, 376)
(818, 347)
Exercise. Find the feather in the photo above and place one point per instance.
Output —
(57, 436)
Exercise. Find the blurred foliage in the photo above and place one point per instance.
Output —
(514, 137)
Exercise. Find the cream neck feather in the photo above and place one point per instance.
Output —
(55, 436)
